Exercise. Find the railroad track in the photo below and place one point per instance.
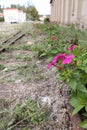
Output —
(11, 40)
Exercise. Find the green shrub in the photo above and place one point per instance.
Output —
(1, 19)
(23, 116)
(66, 49)
(46, 20)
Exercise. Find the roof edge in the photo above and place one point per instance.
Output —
(10, 9)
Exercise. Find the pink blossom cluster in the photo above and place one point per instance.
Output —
(72, 47)
(54, 38)
(66, 59)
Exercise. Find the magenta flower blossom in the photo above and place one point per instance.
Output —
(56, 58)
(49, 65)
(59, 56)
(54, 38)
(68, 59)
(72, 47)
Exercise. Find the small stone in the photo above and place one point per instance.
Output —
(29, 43)
(18, 81)
(6, 69)
(46, 99)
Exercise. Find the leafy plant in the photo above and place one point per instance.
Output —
(2, 57)
(25, 114)
(74, 72)
(23, 57)
(47, 20)
(2, 66)
(66, 49)
(1, 19)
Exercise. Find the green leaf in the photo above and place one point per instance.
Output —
(84, 68)
(81, 88)
(49, 59)
(77, 52)
(86, 107)
(85, 62)
(85, 114)
(77, 109)
(84, 124)
(73, 84)
(43, 54)
(74, 102)
(11, 122)
(1, 111)
(54, 51)
(10, 128)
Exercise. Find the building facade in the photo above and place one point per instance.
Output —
(13, 15)
(68, 11)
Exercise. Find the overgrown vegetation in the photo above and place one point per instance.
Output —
(46, 20)
(66, 49)
(1, 19)
(2, 57)
(30, 114)
(1, 66)
(21, 47)
(24, 116)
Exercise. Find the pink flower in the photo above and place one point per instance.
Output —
(59, 56)
(56, 58)
(49, 65)
(68, 59)
(54, 38)
(72, 47)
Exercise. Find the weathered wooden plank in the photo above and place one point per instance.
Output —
(12, 42)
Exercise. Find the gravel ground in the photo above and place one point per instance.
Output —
(41, 84)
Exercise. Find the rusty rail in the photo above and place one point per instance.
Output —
(11, 40)
(6, 40)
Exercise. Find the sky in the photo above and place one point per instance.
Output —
(42, 6)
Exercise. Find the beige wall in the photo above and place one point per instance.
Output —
(74, 11)
(66, 12)
(61, 19)
(69, 11)
(53, 11)
(84, 11)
